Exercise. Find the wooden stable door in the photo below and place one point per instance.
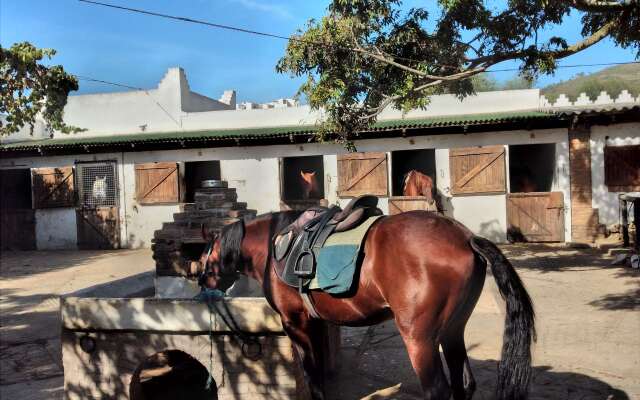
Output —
(400, 204)
(97, 214)
(17, 229)
(98, 228)
(535, 217)
(362, 173)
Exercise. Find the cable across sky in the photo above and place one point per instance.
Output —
(288, 38)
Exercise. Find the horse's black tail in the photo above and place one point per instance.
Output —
(514, 370)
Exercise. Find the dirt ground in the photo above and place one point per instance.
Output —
(588, 327)
(30, 285)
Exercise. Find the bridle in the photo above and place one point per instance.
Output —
(251, 346)
(207, 268)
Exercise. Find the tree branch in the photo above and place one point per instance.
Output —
(575, 48)
(375, 111)
(601, 5)
(477, 66)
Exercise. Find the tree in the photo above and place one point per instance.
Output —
(29, 89)
(483, 83)
(366, 55)
(518, 82)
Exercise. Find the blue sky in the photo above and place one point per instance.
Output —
(136, 50)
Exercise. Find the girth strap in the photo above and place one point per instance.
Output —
(308, 303)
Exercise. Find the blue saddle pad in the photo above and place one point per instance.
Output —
(337, 259)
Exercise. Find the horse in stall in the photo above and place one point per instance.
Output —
(418, 184)
(421, 269)
(310, 186)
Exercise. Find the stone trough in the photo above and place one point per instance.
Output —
(118, 345)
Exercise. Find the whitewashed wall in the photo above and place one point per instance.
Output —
(254, 172)
(612, 135)
(257, 182)
(56, 229)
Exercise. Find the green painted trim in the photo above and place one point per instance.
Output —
(269, 132)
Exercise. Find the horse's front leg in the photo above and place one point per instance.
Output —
(306, 335)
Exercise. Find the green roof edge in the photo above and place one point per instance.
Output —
(274, 131)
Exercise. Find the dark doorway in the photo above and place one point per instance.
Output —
(17, 218)
(197, 171)
(16, 189)
(531, 167)
(302, 178)
(403, 161)
(171, 375)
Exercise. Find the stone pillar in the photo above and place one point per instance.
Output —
(584, 218)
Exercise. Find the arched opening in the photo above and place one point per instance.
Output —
(171, 375)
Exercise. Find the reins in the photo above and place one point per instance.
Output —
(248, 342)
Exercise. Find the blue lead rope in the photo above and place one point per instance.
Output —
(210, 296)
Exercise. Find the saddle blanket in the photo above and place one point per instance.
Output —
(337, 259)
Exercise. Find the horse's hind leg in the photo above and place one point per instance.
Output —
(425, 357)
(463, 384)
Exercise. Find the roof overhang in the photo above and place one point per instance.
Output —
(460, 124)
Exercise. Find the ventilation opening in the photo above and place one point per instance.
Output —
(303, 178)
(403, 161)
(531, 167)
(197, 171)
(16, 189)
(171, 375)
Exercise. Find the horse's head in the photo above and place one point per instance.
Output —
(309, 184)
(308, 176)
(222, 260)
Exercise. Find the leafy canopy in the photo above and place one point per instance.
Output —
(29, 89)
(365, 55)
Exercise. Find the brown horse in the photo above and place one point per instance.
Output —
(421, 269)
(418, 184)
(310, 186)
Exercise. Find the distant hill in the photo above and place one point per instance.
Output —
(612, 80)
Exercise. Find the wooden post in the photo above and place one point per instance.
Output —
(636, 221)
(625, 223)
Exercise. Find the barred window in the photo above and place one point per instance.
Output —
(97, 184)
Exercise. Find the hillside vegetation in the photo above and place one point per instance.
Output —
(612, 80)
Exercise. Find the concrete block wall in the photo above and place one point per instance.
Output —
(108, 371)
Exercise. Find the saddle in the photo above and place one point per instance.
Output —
(296, 246)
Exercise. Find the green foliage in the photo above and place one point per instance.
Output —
(365, 55)
(484, 83)
(29, 89)
(519, 82)
(611, 80)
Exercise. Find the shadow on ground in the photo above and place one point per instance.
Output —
(17, 264)
(374, 362)
(546, 258)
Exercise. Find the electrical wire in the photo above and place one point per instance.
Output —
(291, 38)
(86, 78)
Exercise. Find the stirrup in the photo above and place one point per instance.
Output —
(304, 264)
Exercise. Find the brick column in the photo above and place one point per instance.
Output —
(584, 218)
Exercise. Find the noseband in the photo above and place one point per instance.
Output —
(207, 269)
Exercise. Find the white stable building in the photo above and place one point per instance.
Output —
(507, 164)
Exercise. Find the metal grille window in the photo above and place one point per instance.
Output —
(97, 184)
